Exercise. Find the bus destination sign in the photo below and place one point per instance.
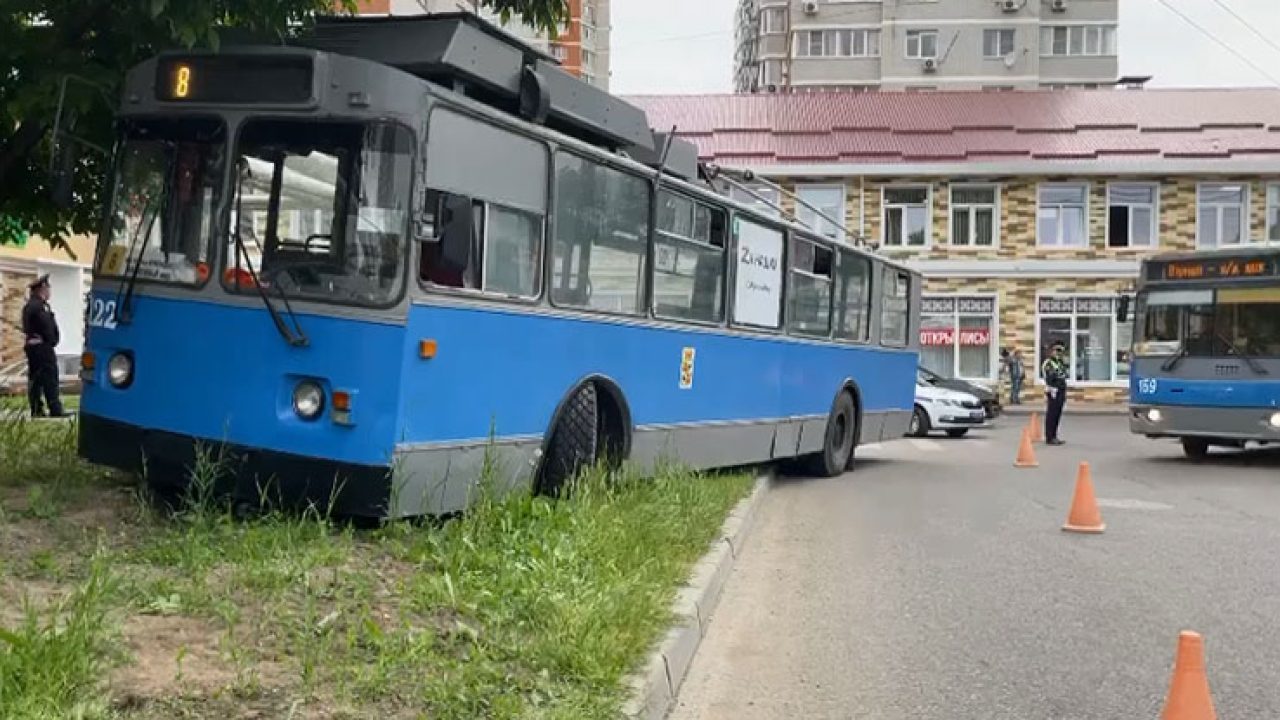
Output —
(235, 79)
(1214, 269)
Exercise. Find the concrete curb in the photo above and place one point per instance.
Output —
(653, 690)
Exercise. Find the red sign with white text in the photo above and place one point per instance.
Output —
(947, 336)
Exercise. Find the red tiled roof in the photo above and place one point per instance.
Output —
(948, 127)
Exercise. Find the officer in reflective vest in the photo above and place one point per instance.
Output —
(1054, 370)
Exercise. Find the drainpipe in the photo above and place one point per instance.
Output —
(862, 208)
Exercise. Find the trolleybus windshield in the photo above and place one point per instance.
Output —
(322, 210)
(1230, 321)
(165, 194)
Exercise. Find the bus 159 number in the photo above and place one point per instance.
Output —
(1147, 386)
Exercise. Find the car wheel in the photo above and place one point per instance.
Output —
(958, 432)
(1195, 448)
(919, 423)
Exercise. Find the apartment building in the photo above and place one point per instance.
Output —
(1026, 212)
(792, 45)
(581, 45)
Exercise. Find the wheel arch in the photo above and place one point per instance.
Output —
(608, 391)
(850, 386)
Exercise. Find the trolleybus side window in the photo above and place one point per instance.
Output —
(757, 289)
(320, 210)
(895, 297)
(601, 237)
(809, 293)
(164, 196)
(688, 260)
(853, 297)
(485, 207)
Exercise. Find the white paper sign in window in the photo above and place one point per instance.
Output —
(758, 287)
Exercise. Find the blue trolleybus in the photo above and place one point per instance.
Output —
(370, 263)
(1206, 365)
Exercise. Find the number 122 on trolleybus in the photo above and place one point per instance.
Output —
(365, 283)
(1206, 349)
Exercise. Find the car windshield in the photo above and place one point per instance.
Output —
(1210, 323)
(321, 209)
(164, 198)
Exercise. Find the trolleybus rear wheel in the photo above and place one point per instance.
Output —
(1195, 448)
(575, 441)
(837, 445)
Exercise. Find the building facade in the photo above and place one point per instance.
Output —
(581, 46)
(69, 271)
(789, 45)
(1028, 213)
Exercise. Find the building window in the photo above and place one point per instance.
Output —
(838, 43)
(773, 20)
(829, 199)
(922, 44)
(588, 35)
(1097, 346)
(1132, 214)
(771, 72)
(1273, 212)
(956, 336)
(997, 43)
(1222, 214)
(998, 88)
(975, 214)
(1062, 218)
(559, 52)
(588, 58)
(1078, 40)
(906, 217)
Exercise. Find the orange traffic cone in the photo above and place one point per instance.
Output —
(1189, 688)
(1037, 430)
(1084, 516)
(1026, 455)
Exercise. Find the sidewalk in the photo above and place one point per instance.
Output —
(1072, 408)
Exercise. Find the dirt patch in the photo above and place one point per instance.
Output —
(16, 595)
(173, 656)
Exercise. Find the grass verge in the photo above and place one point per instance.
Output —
(523, 607)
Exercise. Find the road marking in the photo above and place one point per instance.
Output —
(1132, 504)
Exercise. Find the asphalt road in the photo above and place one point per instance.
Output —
(934, 582)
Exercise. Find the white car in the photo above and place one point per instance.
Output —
(942, 409)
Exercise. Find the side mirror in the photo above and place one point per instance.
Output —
(457, 233)
(1122, 309)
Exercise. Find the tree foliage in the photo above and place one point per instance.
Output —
(95, 42)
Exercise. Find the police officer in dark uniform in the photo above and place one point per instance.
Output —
(41, 331)
(1055, 372)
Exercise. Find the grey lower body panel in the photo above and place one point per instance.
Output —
(440, 478)
(1205, 422)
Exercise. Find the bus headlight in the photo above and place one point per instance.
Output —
(1274, 420)
(1154, 415)
(120, 370)
(308, 400)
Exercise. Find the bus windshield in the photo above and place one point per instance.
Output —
(321, 209)
(165, 195)
(1210, 323)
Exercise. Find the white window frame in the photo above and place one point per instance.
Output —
(1246, 229)
(778, 28)
(820, 223)
(765, 65)
(801, 46)
(1071, 350)
(1013, 42)
(995, 206)
(956, 314)
(918, 36)
(1099, 31)
(1155, 216)
(928, 213)
(1088, 191)
(1273, 207)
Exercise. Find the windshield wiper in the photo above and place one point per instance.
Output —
(1248, 359)
(294, 336)
(124, 296)
(1172, 362)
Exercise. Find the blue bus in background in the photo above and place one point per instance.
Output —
(1206, 352)
(404, 252)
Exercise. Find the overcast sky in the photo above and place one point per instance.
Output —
(686, 46)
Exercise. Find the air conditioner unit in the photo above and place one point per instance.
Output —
(930, 64)
(811, 7)
(1010, 6)
(1058, 5)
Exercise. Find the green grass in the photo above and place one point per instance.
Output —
(524, 607)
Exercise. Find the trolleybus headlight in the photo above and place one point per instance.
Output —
(1154, 415)
(308, 400)
(120, 370)
(1274, 420)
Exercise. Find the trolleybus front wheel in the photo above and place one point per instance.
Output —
(1195, 448)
